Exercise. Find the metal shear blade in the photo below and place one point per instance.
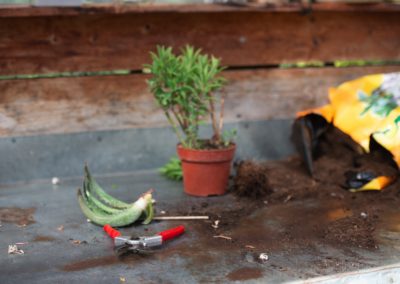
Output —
(136, 245)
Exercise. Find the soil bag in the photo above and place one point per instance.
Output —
(368, 111)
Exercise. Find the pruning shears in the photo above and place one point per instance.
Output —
(124, 244)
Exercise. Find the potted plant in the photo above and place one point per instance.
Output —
(185, 87)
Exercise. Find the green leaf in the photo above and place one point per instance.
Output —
(149, 213)
(173, 169)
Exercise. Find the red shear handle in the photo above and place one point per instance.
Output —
(111, 231)
(172, 233)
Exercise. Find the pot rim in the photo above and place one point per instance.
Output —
(231, 147)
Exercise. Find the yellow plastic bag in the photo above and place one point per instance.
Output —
(367, 108)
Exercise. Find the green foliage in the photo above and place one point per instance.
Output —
(228, 136)
(173, 169)
(397, 120)
(183, 86)
(339, 63)
(303, 64)
(378, 102)
(359, 63)
(363, 62)
(65, 75)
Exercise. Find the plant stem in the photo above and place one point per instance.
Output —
(172, 122)
(216, 136)
(221, 114)
(178, 118)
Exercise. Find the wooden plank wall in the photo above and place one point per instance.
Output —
(106, 42)
(251, 42)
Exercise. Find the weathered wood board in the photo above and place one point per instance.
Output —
(236, 6)
(240, 38)
(64, 105)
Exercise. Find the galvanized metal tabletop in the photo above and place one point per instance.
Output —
(61, 246)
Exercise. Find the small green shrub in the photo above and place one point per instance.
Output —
(184, 86)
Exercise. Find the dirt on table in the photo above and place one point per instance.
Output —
(18, 216)
(350, 217)
(280, 209)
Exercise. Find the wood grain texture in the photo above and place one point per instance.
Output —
(8, 11)
(64, 105)
(123, 41)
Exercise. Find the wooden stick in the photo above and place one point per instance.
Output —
(181, 218)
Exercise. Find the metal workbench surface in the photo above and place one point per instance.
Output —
(61, 246)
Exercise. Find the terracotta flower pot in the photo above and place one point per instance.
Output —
(206, 172)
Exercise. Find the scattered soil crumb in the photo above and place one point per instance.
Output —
(223, 237)
(354, 232)
(91, 263)
(43, 239)
(245, 273)
(18, 216)
(77, 242)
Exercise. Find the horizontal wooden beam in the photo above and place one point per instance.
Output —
(102, 9)
(64, 105)
(241, 38)
(234, 6)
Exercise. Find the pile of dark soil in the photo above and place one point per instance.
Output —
(282, 182)
(337, 156)
(251, 180)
